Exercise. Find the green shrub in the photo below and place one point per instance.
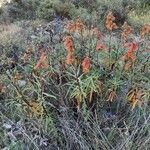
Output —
(19, 9)
(45, 9)
(49, 8)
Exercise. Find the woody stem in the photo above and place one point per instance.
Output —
(110, 48)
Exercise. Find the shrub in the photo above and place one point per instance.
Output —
(46, 9)
(49, 8)
(20, 9)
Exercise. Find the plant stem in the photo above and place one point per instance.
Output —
(110, 48)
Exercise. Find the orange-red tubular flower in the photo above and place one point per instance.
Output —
(100, 46)
(110, 25)
(86, 65)
(69, 59)
(133, 46)
(79, 25)
(75, 26)
(68, 43)
(42, 62)
(126, 31)
(130, 53)
(130, 56)
(145, 30)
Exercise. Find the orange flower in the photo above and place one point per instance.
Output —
(126, 31)
(133, 46)
(100, 46)
(145, 30)
(42, 62)
(130, 53)
(86, 65)
(68, 43)
(110, 25)
(69, 59)
(129, 57)
(75, 26)
(79, 25)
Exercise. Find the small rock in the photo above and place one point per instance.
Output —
(21, 83)
(7, 126)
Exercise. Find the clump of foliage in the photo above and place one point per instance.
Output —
(89, 90)
(48, 9)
